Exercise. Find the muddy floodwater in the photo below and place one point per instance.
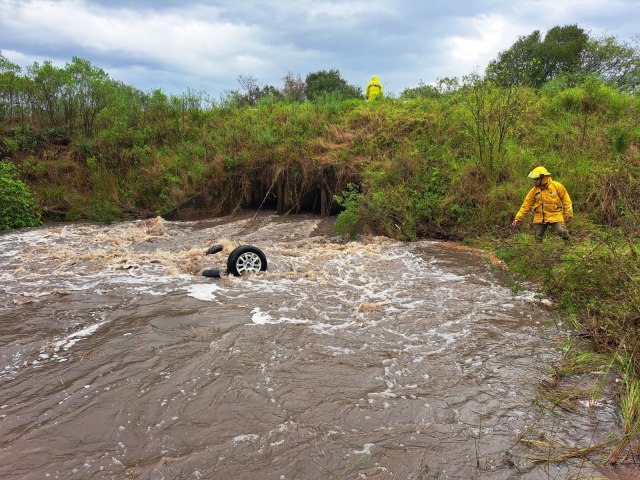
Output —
(369, 359)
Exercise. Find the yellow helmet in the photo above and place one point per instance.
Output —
(538, 172)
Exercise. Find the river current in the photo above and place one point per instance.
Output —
(368, 359)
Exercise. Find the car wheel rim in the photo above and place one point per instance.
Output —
(248, 262)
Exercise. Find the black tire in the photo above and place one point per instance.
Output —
(246, 259)
(214, 249)
(212, 272)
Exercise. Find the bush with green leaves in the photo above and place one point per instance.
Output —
(352, 219)
(17, 207)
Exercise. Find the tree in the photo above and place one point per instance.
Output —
(519, 64)
(60, 99)
(569, 53)
(48, 84)
(421, 91)
(531, 61)
(562, 51)
(495, 114)
(87, 91)
(251, 92)
(447, 85)
(10, 89)
(616, 63)
(118, 122)
(293, 88)
(249, 84)
(325, 82)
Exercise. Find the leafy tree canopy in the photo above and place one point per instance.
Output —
(325, 82)
(566, 52)
(616, 63)
(533, 61)
(7, 66)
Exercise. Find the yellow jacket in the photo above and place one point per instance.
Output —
(373, 88)
(550, 203)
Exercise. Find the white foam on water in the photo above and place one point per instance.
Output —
(366, 449)
(330, 329)
(265, 283)
(261, 318)
(449, 339)
(529, 294)
(204, 291)
(411, 338)
(339, 350)
(299, 321)
(70, 340)
(248, 437)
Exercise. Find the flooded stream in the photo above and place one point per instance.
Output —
(370, 359)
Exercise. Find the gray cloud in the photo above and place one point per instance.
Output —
(206, 45)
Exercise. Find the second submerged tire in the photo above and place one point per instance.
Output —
(246, 259)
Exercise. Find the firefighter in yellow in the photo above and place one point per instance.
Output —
(374, 88)
(550, 203)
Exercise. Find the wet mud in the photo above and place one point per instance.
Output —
(370, 359)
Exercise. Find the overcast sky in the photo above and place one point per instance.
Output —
(206, 45)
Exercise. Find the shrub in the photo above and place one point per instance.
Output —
(10, 145)
(105, 211)
(619, 138)
(351, 220)
(17, 207)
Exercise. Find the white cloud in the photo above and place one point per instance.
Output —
(194, 40)
(206, 45)
(343, 9)
(485, 36)
(563, 12)
(21, 59)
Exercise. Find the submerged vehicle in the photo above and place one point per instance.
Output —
(242, 260)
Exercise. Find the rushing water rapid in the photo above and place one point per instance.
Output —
(369, 359)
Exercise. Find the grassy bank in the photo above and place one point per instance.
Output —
(594, 280)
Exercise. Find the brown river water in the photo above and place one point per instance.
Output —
(369, 359)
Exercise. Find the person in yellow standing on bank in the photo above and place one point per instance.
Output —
(550, 203)
(374, 88)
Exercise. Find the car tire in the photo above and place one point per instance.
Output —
(246, 259)
(214, 249)
(212, 272)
